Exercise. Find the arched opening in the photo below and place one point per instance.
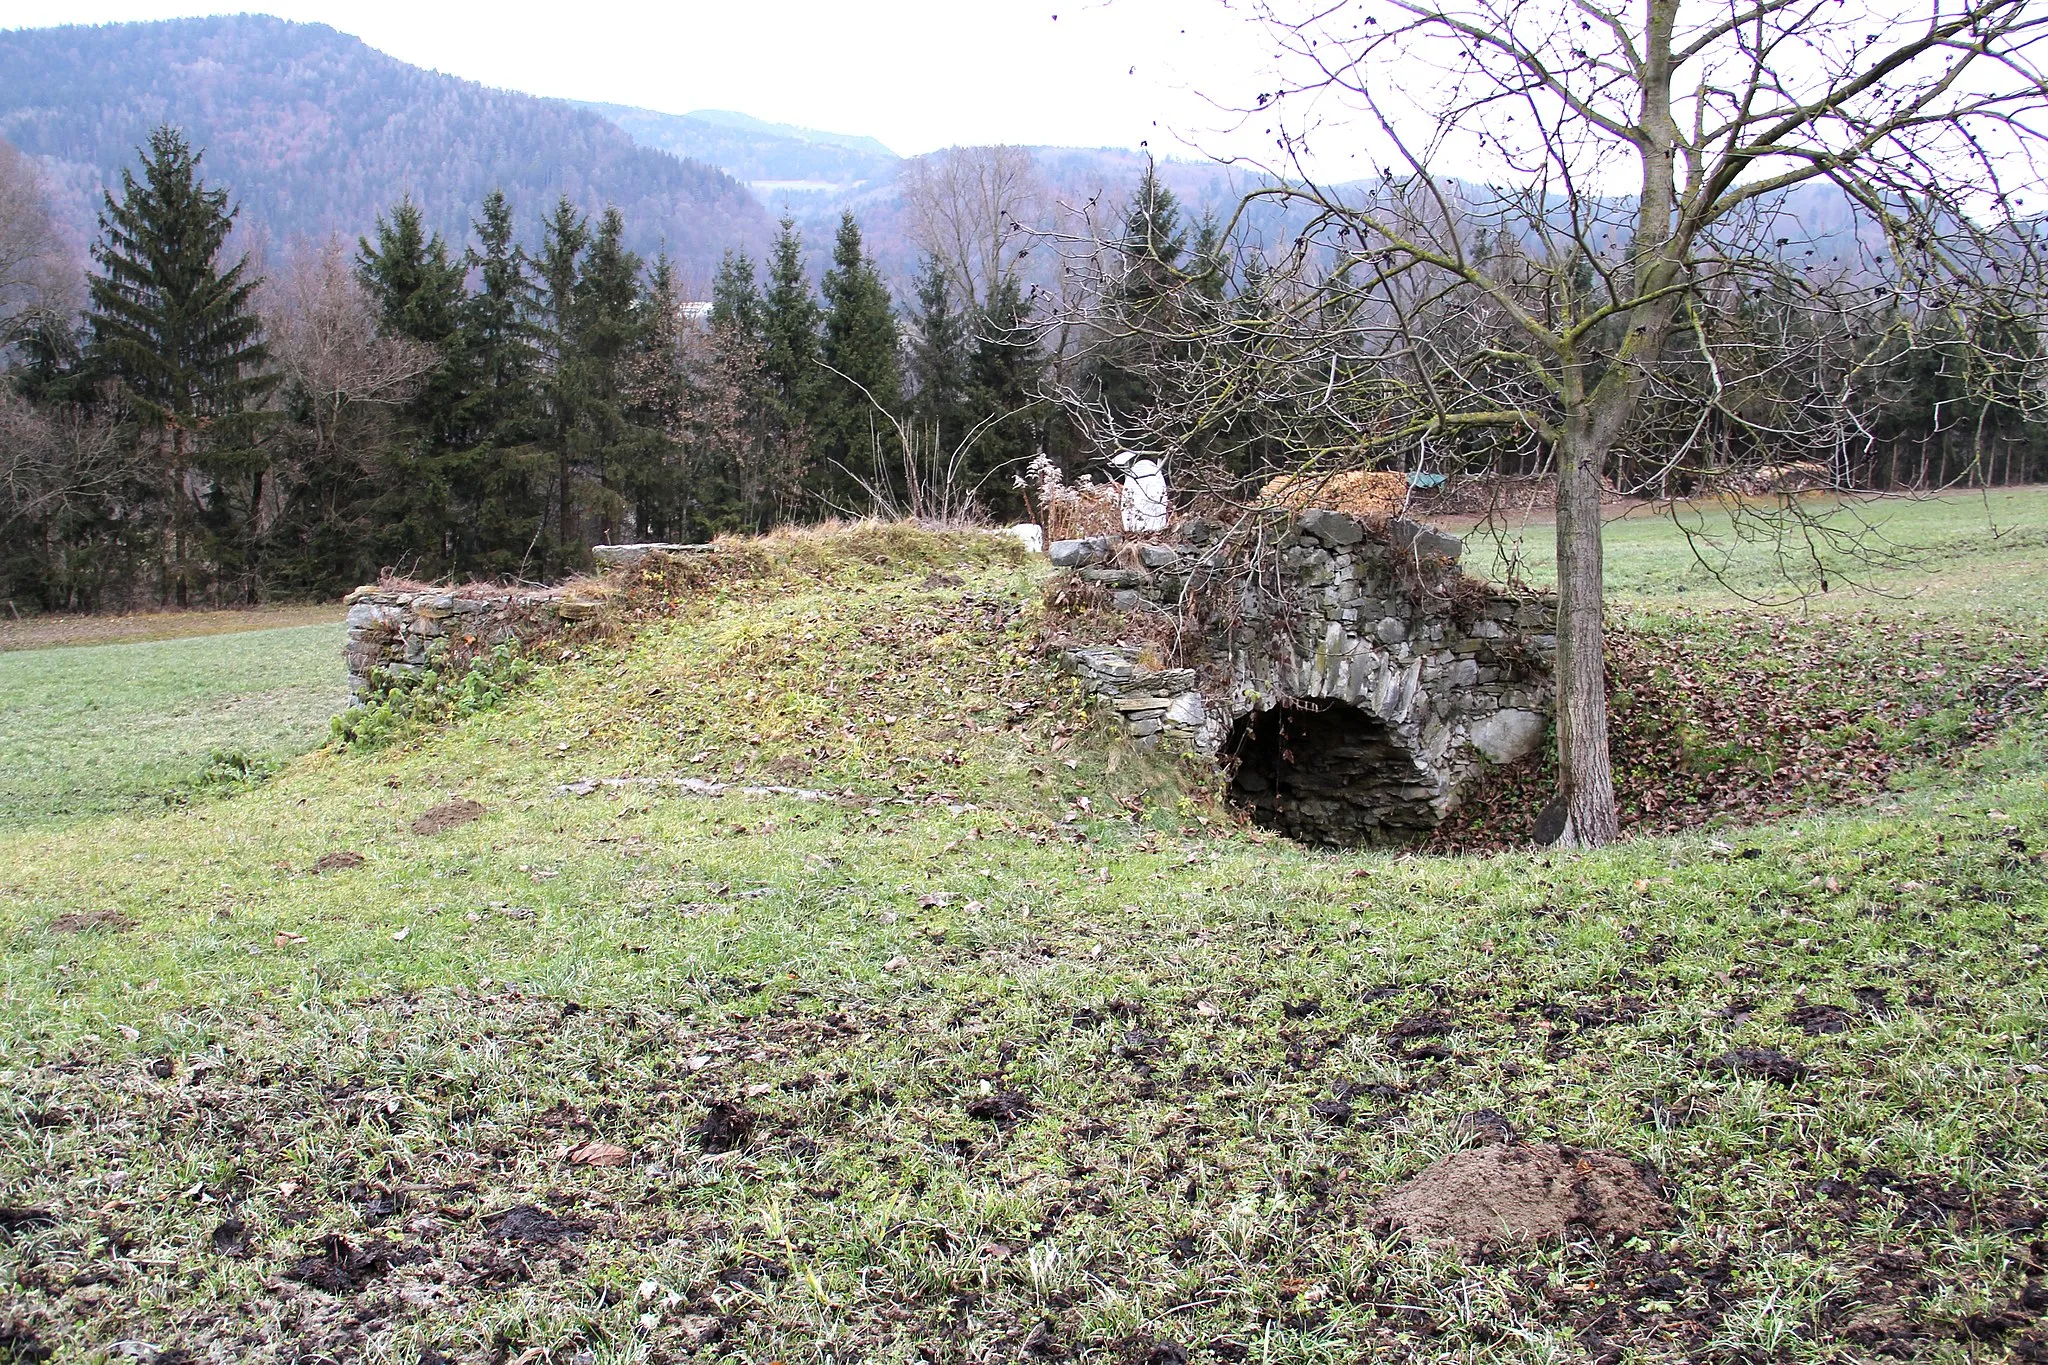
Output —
(1328, 773)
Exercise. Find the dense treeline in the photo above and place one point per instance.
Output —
(1242, 367)
(487, 409)
(492, 408)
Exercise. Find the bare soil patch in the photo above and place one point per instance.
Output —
(338, 861)
(1490, 1195)
(79, 923)
(448, 815)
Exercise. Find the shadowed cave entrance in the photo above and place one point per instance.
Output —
(1325, 772)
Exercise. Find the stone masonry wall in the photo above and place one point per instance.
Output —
(1354, 679)
(402, 631)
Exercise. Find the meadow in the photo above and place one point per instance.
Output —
(1017, 1045)
(97, 729)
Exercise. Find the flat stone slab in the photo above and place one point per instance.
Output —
(618, 556)
(687, 786)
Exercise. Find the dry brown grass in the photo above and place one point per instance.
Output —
(1092, 510)
(44, 632)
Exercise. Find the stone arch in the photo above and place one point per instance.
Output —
(1403, 679)
(1324, 771)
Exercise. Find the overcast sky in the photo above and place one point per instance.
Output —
(918, 74)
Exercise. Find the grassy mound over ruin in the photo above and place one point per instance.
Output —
(986, 1055)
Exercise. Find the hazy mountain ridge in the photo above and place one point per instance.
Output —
(764, 155)
(862, 176)
(315, 132)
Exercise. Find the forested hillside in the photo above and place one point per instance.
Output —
(318, 132)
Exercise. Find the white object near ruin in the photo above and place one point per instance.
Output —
(1144, 492)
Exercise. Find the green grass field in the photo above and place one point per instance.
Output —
(1018, 1049)
(1876, 552)
(98, 729)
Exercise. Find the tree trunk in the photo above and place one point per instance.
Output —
(562, 512)
(179, 577)
(1584, 774)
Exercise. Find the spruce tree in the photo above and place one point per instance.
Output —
(735, 298)
(863, 366)
(564, 235)
(789, 347)
(657, 405)
(738, 464)
(609, 329)
(1006, 369)
(1149, 255)
(938, 355)
(500, 479)
(181, 336)
(419, 294)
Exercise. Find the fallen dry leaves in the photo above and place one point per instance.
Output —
(596, 1153)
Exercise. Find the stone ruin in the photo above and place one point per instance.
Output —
(403, 631)
(1350, 678)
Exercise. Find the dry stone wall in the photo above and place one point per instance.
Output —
(404, 632)
(1354, 681)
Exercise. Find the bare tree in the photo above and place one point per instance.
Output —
(921, 479)
(54, 460)
(974, 208)
(342, 380)
(1645, 283)
(33, 259)
(328, 348)
(740, 467)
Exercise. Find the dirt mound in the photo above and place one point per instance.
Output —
(1521, 1194)
(448, 815)
(1358, 492)
(83, 921)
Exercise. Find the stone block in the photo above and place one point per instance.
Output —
(433, 608)
(1115, 578)
(1414, 536)
(1334, 529)
(1103, 662)
(363, 615)
(625, 556)
(1158, 556)
(1391, 630)
(1080, 554)
(1507, 735)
